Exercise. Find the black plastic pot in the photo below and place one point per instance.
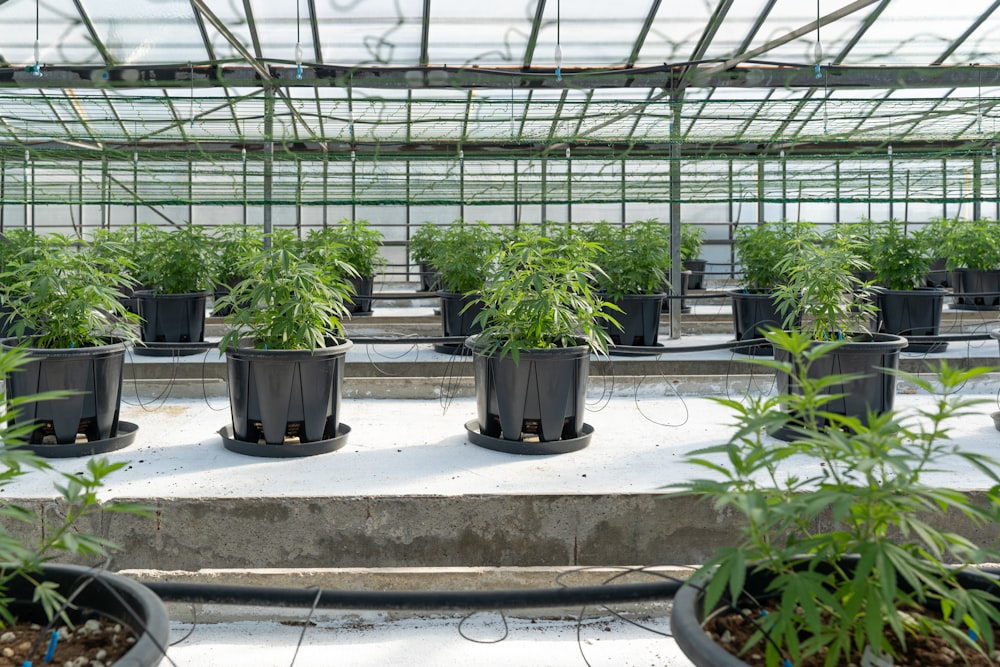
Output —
(912, 313)
(973, 281)
(172, 318)
(937, 275)
(685, 284)
(102, 595)
(697, 269)
(279, 394)
(457, 321)
(430, 279)
(361, 301)
(754, 312)
(543, 394)
(93, 374)
(866, 356)
(639, 320)
(687, 614)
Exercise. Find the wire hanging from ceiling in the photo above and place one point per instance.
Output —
(818, 47)
(37, 69)
(298, 40)
(559, 53)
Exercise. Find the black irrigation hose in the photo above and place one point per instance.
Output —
(413, 600)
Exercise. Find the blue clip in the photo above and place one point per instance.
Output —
(819, 73)
(972, 635)
(51, 652)
(298, 71)
(559, 74)
(36, 70)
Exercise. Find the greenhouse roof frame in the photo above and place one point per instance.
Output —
(374, 77)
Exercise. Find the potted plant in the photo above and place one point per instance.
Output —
(972, 248)
(760, 249)
(232, 246)
(285, 356)
(357, 245)
(37, 595)
(175, 271)
(542, 316)
(17, 246)
(900, 263)
(823, 296)
(848, 558)
(68, 300)
(634, 263)
(692, 241)
(461, 258)
(422, 249)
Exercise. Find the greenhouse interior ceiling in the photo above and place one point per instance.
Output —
(539, 101)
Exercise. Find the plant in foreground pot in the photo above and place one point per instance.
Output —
(761, 249)
(634, 263)
(68, 298)
(542, 316)
(285, 355)
(175, 270)
(844, 554)
(37, 596)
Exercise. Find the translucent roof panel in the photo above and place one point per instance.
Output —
(385, 32)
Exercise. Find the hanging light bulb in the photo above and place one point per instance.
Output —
(298, 60)
(37, 69)
(558, 59)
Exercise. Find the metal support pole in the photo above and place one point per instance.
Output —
(569, 187)
(675, 215)
(892, 189)
(624, 198)
(977, 187)
(461, 184)
(268, 164)
(760, 191)
(545, 170)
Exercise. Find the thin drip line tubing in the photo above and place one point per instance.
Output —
(421, 600)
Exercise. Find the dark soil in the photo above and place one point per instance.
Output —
(731, 631)
(91, 644)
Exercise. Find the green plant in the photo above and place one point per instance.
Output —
(542, 294)
(177, 261)
(636, 257)
(289, 304)
(971, 244)
(899, 260)
(864, 497)
(821, 286)
(356, 244)
(424, 242)
(70, 295)
(462, 256)
(761, 249)
(692, 240)
(232, 245)
(56, 533)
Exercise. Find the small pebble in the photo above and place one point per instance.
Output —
(101, 654)
(7, 652)
(7, 637)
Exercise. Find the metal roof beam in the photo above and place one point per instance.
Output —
(536, 26)
(314, 28)
(793, 35)
(425, 34)
(92, 31)
(965, 35)
(647, 24)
